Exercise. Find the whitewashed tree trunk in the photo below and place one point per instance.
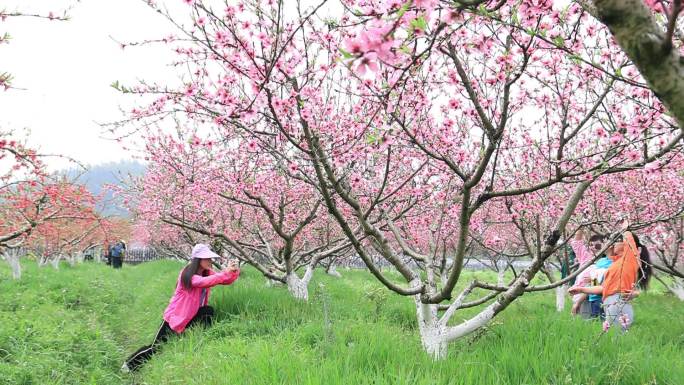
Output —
(55, 261)
(560, 297)
(432, 332)
(677, 288)
(297, 287)
(71, 259)
(42, 261)
(13, 259)
(80, 256)
(501, 277)
(332, 270)
(272, 282)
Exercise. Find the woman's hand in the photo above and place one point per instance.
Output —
(575, 290)
(625, 225)
(232, 266)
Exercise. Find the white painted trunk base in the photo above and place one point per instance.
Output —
(299, 288)
(42, 261)
(560, 297)
(434, 342)
(678, 288)
(13, 258)
(15, 265)
(432, 333)
(333, 271)
(272, 282)
(435, 334)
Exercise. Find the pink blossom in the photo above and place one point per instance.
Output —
(367, 62)
(624, 321)
(454, 103)
(616, 139)
(633, 156)
(606, 325)
(354, 46)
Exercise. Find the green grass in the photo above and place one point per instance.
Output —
(76, 325)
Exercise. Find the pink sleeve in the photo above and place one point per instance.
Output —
(581, 251)
(211, 280)
(232, 276)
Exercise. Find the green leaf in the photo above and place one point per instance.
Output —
(419, 23)
(405, 49)
(559, 41)
(403, 9)
(575, 59)
(346, 54)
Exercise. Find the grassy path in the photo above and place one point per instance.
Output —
(76, 325)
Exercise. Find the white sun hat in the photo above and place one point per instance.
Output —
(203, 251)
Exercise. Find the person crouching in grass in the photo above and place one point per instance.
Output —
(189, 304)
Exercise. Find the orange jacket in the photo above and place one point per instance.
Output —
(622, 274)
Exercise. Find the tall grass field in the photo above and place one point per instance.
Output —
(76, 325)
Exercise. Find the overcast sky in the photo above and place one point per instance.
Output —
(64, 70)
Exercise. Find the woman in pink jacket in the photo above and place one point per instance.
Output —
(188, 306)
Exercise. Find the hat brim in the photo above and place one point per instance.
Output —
(207, 254)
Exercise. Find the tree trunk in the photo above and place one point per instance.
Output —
(13, 260)
(444, 277)
(643, 40)
(42, 261)
(432, 333)
(55, 262)
(272, 282)
(560, 297)
(332, 270)
(677, 288)
(501, 277)
(299, 288)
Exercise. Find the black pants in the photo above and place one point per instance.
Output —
(117, 262)
(203, 316)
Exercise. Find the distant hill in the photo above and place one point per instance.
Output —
(114, 173)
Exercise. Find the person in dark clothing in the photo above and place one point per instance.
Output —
(117, 253)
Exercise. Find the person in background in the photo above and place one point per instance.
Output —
(584, 256)
(116, 253)
(597, 274)
(631, 270)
